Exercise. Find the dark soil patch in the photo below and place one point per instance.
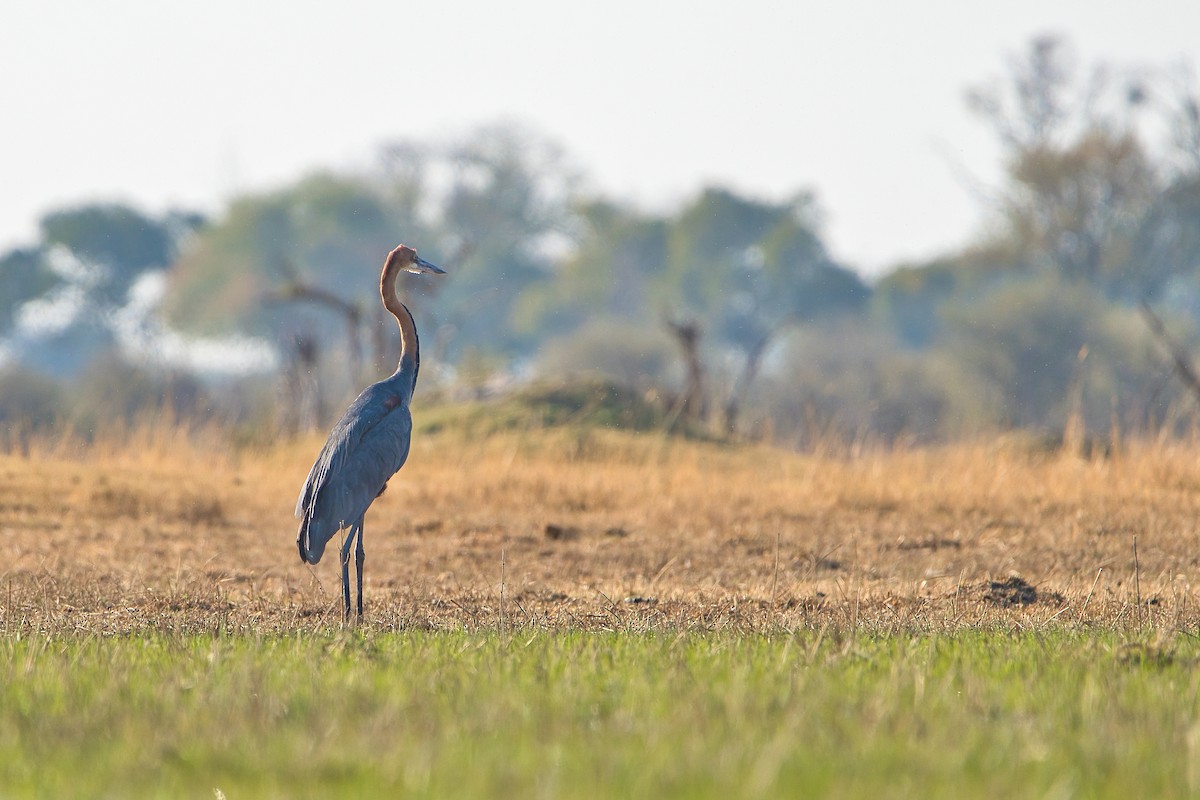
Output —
(1016, 591)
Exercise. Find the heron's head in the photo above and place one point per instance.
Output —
(407, 260)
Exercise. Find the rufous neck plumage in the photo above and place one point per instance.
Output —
(410, 346)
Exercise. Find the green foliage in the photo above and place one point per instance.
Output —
(630, 353)
(1038, 320)
(1085, 198)
(615, 267)
(463, 714)
(329, 231)
(743, 270)
(1027, 343)
(1076, 210)
(1030, 324)
(509, 195)
(483, 218)
(576, 405)
(909, 299)
(749, 268)
(710, 238)
(846, 382)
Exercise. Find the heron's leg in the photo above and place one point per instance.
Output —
(358, 562)
(346, 571)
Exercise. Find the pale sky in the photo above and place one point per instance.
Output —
(190, 103)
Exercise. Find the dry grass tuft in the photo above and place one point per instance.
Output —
(165, 529)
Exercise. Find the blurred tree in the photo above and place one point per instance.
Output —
(1027, 343)
(1079, 179)
(750, 253)
(907, 299)
(260, 267)
(1167, 243)
(1077, 210)
(114, 244)
(615, 265)
(1036, 101)
(1037, 319)
(61, 297)
(746, 269)
(488, 207)
(113, 390)
(735, 269)
(1166, 247)
(845, 382)
(505, 211)
(24, 275)
(711, 246)
(30, 402)
(638, 355)
(330, 231)
(692, 403)
(1181, 102)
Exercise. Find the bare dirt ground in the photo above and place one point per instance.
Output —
(603, 530)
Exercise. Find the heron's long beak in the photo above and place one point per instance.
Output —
(420, 266)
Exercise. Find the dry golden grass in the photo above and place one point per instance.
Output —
(162, 530)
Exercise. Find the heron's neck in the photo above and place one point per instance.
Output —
(410, 345)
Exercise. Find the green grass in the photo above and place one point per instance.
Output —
(469, 714)
(576, 407)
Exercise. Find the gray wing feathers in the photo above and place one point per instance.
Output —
(366, 448)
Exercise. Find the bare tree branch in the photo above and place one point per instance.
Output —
(692, 403)
(296, 289)
(1183, 364)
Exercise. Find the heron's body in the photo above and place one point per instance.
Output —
(367, 446)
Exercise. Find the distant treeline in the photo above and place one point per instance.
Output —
(729, 311)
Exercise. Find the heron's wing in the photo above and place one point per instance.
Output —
(366, 448)
(348, 490)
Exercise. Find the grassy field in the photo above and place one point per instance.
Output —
(579, 714)
(583, 612)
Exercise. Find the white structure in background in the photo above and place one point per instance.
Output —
(142, 336)
(137, 327)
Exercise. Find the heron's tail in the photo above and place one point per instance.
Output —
(311, 548)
